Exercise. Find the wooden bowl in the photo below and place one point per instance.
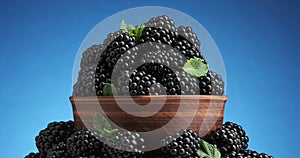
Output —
(200, 113)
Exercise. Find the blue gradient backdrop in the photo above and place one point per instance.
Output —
(259, 42)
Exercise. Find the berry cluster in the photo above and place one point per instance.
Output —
(246, 154)
(148, 64)
(124, 144)
(84, 143)
(183, 145)
(232, 142)
(55, 133)
(231, 137)
(60, 139)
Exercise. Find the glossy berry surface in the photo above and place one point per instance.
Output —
(109, 58)
(84, 143)
(230, 138)
(246, 154)
(33, 155)
(124, 144)
(184, 144)
(59, 150)
(54, 133)
(148, 58)
(211, 84)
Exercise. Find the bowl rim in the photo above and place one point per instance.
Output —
(191, 97)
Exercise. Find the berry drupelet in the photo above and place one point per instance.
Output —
(188, 34)
(124, 145)
(84, 143)
(59, 150)
(33, 155)
(183, 145)
(246, 154)
(161, 21)
(86, 82)
(109, 58)
(89, 61)
(54, 133)
(160, 35)
(211, 84)
(230, 138)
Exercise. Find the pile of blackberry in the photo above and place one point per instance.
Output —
(232, 141)
(151, 58)
(60, 139)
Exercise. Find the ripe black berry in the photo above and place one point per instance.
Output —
(54, 133)
(86, 82)
(230, 138)
(246, 154)
(188, 34)
(90, 58)
(33, 155)
(211, 84)
(124, 145)
(183, 145)
(160, 35)
(84, 143)
(109, 58)
(59, 150)
(162, 21)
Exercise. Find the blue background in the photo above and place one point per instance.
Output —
(259, 42)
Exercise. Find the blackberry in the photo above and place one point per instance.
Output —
(90, 58)
(161, 21)
(211, 84)
(154, 78)
(54, 133)
(59, 150)
(109, 58)
(139, 83)
(183, 145)
(33, 155)
(124, 145)
(230, 138)
(85, 86)
(160, 35)
(246, 154)
(84, 143)
(188, 33)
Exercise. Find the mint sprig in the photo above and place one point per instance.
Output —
(195, 67)
(102, 126)
(208, 151)
(132, 31)
(109, 90)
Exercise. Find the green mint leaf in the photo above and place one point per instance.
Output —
(202, 154)
(100, 123)
(123, 26)
(195, 67)
(130, 28)
(109, 90)
(107, 133)
(102, 126)
(208, 151)
(133, 31)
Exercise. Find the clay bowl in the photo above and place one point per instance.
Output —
(200, 113)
